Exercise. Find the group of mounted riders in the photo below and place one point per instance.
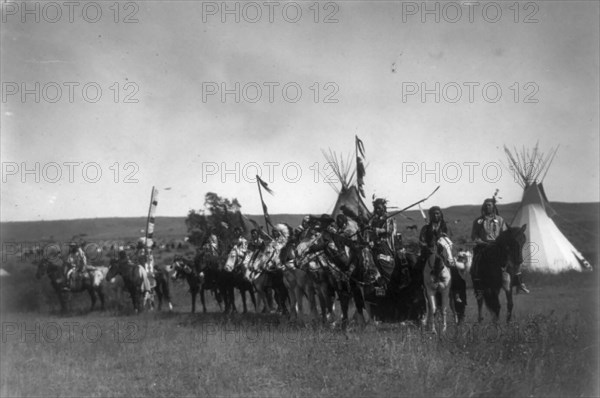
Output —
(359, 254)
(352, 255)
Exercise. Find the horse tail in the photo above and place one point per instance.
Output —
(491, 300)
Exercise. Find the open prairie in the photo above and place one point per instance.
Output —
(550, 349)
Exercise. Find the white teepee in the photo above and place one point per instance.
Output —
(547, 250)
(344, 173)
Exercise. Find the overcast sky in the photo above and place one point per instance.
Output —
(161, 119)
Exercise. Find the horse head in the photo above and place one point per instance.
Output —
(233, 260)
(464, 260)
(113, 270)
(268, 254)
(511, 242)
(371, 271)
(444, 249)
(303, 247)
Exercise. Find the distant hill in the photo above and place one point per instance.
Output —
(578, 221)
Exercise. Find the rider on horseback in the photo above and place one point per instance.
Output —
(284, 245)
(333, 243)
(431, 233)
(384, 229)
(209, 254)
(144, 255)
(428, 238)
(76, 264)
(240, 244)
(303, 230)
(486, 229)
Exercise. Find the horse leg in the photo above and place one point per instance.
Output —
(219, 296)
(100, 293)
(431, 309)
(344, 296)
(159, 295)
(135, 301)
(509, 305)
(243, 295)
(252, 296)
(92, 297)
(202, 300)
(282, 299)
(453, 305)
(329, 303)
(232, 297)
(194, 293)
(261, 294)
(290, 285)
(166, 294)
(62, 300)
(309, 292)
(479, 298)
(359, 302)
(230, 286)
(324, 305)
(444, 304)
(490, 297)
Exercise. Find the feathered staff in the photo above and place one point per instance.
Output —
(263, 184)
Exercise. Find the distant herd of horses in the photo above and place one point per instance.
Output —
(415, 291)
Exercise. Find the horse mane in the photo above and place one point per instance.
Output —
(510, 234)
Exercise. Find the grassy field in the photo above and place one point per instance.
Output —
(550, 350)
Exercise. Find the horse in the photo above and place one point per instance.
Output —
(235, 268)
(136, 282)
(90, 280)
(339, 273)
(491, 270)
(264, 279)
(208, 263)
(299, 283)
(399, 296)
(194, 278)
(163, 286)
(437, 280)
(458, 284)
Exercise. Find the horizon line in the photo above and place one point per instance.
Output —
(249, 214)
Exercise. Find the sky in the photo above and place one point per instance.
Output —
(103, 100)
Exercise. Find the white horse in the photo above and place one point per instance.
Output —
(437, 279)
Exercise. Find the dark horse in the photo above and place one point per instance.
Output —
(89, 281)
(195, 279)
(135, 280)
(337, 272)
(238, 277)
(399, 296)
(492, 267)
(207, 266)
